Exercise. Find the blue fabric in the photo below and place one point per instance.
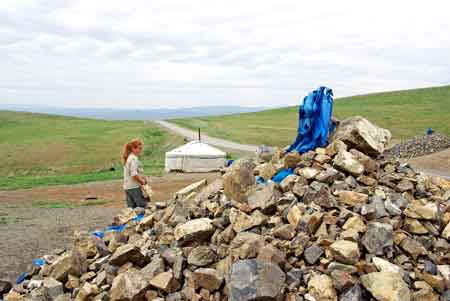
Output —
(116, 228)
(39, 262)
(430, 131)
(314, 124)
(229, 163)
(260, 180)
(282, 174)
(98, 233)
(21, 278)
(138, 217)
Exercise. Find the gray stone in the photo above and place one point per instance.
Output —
(52, 288)
(352, 294)
(201, 256)
(313, 253)
(264, 197)
(255, 280)
(378, 237)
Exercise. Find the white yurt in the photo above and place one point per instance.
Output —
(195, 156)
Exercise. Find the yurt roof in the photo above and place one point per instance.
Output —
(196, 149)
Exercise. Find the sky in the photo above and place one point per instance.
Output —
(178, 53)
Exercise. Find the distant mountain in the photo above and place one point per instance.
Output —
(136, 114)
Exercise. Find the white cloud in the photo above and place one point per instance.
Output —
(187, 53)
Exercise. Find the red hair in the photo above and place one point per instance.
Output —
(128, 147)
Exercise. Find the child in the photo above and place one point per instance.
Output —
(133, 174)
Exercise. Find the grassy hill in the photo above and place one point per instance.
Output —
(406, 113)
(39, 149)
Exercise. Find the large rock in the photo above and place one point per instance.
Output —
(352, 198)
(321, 288)
(61, 268)
(357, 132)
(255, 280)
(52, 288)
(196, 229)
(386, 286)
(345, 251)
(421, 209)
(264, 197)
(201, 256)
(239, 179)
(165, 282)
(208, 279)
(241, 221)
(127, 253)
(129, 286)
(346, 162)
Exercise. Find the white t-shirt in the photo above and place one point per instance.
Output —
(132, 168)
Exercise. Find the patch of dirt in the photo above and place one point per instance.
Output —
(111, 191)
(435, 164)
(29, 232)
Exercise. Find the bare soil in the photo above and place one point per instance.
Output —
(29, 231)
(436, 164)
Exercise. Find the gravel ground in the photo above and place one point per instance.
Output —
(419, 146)
(28, 233)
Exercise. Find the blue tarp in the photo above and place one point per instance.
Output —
(314, 123)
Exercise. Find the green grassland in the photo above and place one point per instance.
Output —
(40, 149)
(405, 113)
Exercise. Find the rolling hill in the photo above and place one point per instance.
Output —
(40, 149)
(406, 113)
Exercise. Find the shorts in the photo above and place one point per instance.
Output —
(135, 198)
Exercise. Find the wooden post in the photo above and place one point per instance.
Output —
(199, 136)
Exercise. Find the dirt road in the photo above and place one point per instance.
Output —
(222, 143)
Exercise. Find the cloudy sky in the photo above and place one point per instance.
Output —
(178, 53)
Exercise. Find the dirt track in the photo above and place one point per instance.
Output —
(29, 231)
(222, 143)
(435, 164)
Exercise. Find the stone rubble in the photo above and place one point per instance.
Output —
(345, 226)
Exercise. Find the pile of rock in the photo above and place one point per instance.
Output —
(344, 227)
(420, 146)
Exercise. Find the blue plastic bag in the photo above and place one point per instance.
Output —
(314, 124)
